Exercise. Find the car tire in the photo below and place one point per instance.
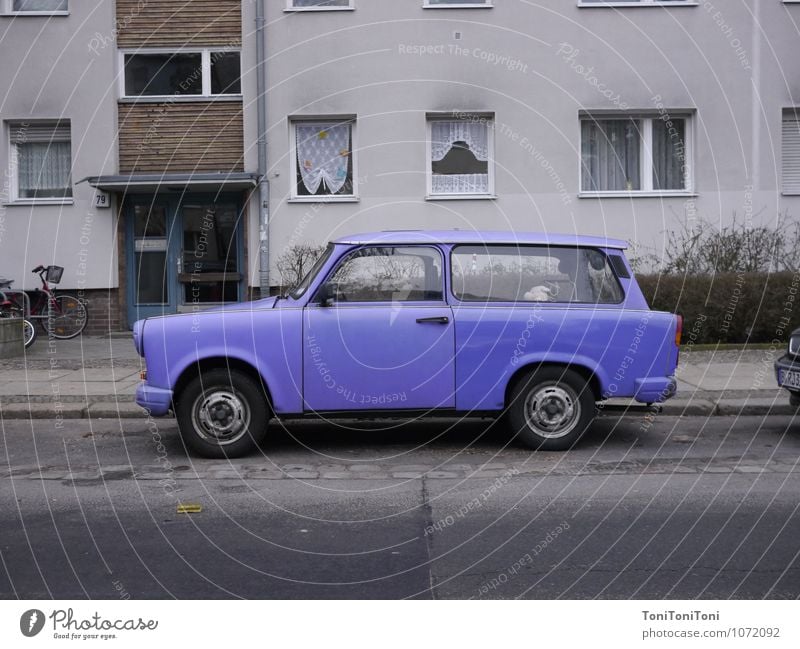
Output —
(222, 413)
(551, 408)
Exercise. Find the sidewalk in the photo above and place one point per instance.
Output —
(97, 376)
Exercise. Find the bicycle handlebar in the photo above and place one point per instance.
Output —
(38, 269)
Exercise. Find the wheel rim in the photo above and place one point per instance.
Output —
(221, 416)
(552, 410)
(28, 332)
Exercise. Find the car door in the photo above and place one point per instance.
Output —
(379, 335)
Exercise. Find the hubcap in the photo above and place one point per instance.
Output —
(552, 410)
(221, 416)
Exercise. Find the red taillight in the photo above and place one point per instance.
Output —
(678, 329)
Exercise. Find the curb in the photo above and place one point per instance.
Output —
(746, 407)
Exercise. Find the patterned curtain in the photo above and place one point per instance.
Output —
(323, 153)
(444, 134)
(610, 151)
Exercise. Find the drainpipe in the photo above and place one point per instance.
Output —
(263, 182)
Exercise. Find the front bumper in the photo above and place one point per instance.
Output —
(655, 390)
(157, 401)
(786, 362)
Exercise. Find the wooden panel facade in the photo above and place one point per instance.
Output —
(165, 23)
(172, 137)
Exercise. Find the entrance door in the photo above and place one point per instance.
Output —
(153, 245)
(184, 253)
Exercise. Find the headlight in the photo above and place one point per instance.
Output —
(794, 345)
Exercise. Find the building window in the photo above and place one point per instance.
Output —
(41, 161)
(457, 4)
(635, 3)
(202, 73)
(38, 6)
(460, 156)
(635, 154)
(322, 160)
(791, 151)
(317, 5)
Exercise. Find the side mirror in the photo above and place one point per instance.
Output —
(324, 296)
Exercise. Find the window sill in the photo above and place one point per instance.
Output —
(461, 197)
(292, 10)
(457, 5)
(26, 202)
(324, 199)
(32, 14)
(637, 195)
(620, 3)
(179, 99)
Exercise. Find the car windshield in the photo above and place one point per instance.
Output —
(297, 292)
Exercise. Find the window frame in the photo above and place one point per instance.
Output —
(645, 153)
(290, 8)
(350, 119)
(528, 303)
(13, 166)
(8, 10)
(349, 253)
(788, 114)
(205, 62)
(455, 116)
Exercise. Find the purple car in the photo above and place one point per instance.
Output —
(537, 327)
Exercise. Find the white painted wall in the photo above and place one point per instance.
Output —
(61, 67)
(703, 57)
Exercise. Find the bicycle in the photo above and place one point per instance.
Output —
(62, 316)
(9, 309)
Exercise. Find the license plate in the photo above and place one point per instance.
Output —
(790, 379)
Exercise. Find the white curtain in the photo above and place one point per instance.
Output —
(610, 151)
(323, 153)
(460, 183)
(44, 169)
(444, 134)
(40, 5)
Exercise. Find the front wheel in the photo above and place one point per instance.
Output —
(222, 413)
(28, 333)
(66, 318)
(551, 408)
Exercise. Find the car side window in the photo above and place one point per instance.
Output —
(533, 274)
(388, 274)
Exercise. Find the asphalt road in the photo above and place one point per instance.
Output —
(671, 508)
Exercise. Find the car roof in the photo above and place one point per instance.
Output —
(479, 237)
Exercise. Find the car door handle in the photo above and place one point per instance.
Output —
(437, 320)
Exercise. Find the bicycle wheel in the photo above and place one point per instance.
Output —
(28, 333)
(66, 318)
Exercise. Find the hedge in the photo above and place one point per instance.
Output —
(729, 307)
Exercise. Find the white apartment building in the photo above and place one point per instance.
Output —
(623, 119)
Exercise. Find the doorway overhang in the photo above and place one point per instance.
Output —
(150, 183)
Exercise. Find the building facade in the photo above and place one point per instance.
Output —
(623, 119)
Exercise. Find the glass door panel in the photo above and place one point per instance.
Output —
(210, 258)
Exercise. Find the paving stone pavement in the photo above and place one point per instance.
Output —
(223, 470)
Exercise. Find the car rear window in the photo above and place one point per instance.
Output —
(533, 274)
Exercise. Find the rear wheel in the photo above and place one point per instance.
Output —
(66, 317)
(551, 408)
(222, 413)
